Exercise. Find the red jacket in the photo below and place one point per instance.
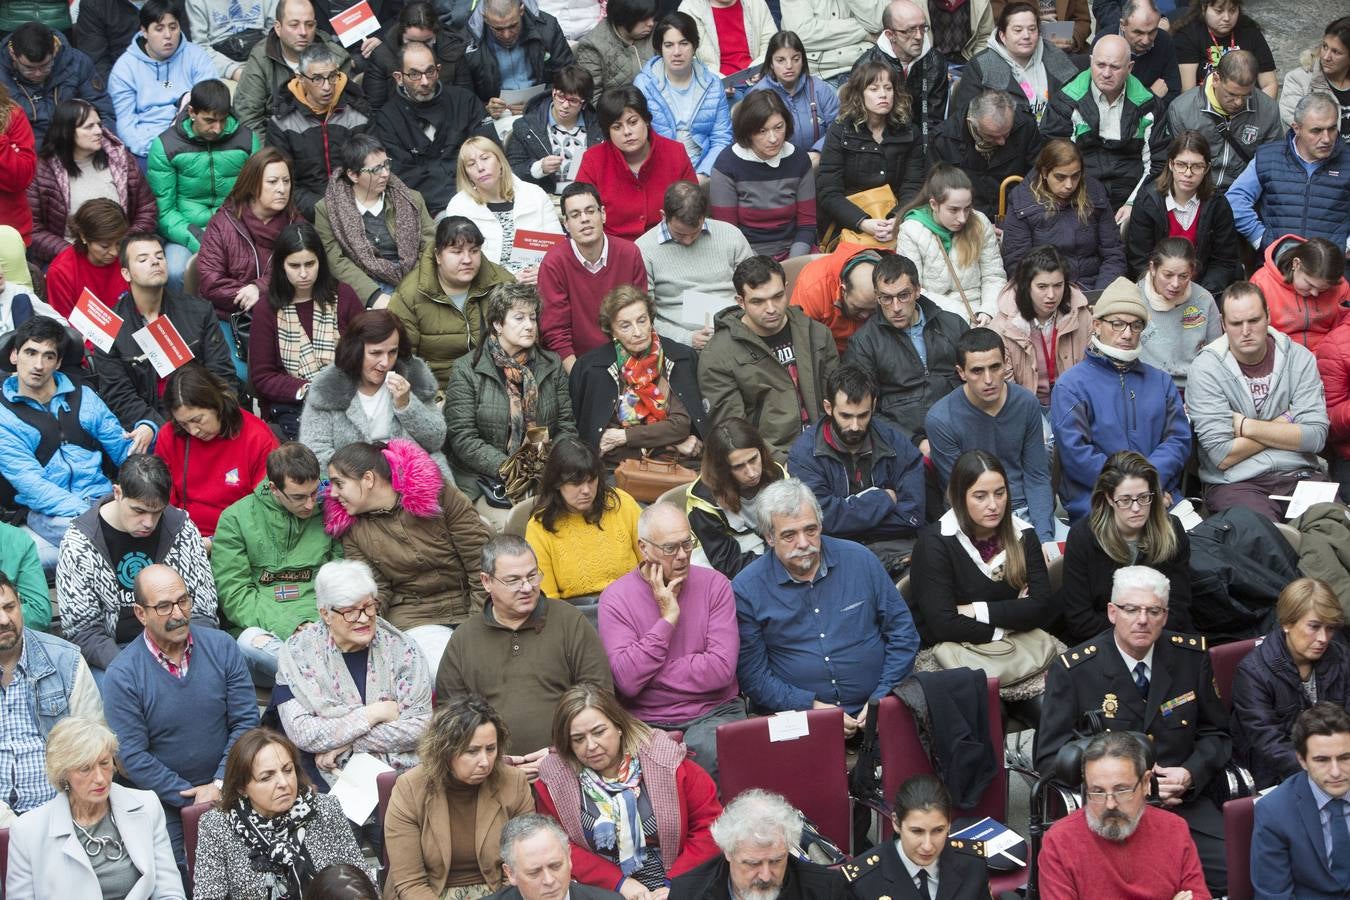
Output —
(270, 379)
(685, 835)
(633, 203)
(18, 162)
(1333, 361)
(210, 475)
(1305, 319)
(49, 198)
(71, 272)
(237, 251)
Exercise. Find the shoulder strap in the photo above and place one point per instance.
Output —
(970, 313)
(53, 430)
(1233, 142)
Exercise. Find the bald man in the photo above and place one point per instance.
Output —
(906, 45)
(178, 698)
(1116, 122)
(670, 631)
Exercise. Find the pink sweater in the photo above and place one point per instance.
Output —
(1155, 863)
(664, 674)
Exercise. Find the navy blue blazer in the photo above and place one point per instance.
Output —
(1288, 856)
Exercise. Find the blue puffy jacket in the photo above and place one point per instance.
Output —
(711, 126)
(72, 78)
(145, 92)
(73, 477)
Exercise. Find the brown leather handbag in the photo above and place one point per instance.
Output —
(646, 479)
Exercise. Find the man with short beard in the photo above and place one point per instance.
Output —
(1117, 845)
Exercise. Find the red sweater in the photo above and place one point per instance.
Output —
(210, 475)
(570, 321)
(270, 378)
(633, 203)
(18, 164)
(71, 272)
(1155, 863)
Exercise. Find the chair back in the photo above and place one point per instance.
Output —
(1224, 660)
(518, 517)
(793, 267)
(384, 789)
(810, 770)
(191, 817)
(676, 496)
(1238, 817)
(192, 279)
(1291, 534)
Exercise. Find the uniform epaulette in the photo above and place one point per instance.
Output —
(1189, 642)
(960, 845)
(860, 866)
(1073, 657)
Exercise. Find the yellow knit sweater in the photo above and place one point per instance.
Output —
(580, 559)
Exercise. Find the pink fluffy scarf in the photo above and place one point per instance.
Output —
(415, 478)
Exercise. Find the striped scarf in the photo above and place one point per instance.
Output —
(304, 355)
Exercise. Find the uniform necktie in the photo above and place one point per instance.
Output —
(1141, 679)
(1340, 842)
(926, 894)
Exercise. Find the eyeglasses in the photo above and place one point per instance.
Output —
(1120, 796)
(1190, 168)
(423, 75)
(921, 28)
(353, 614)
(893, 299)
(378, 169)
(516, 582)
(1144, 501)
(586, 212)
(686, 545)
(567, 99)
(168, 606)
(316, 80)
(1119, 325)
(1134, 609)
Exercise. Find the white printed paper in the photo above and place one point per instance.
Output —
(163, 346)
(356, 789)
(1306, 493)
(1061, 30)
(522, 95)
(92, 318)
(788, 726)
(698, 308)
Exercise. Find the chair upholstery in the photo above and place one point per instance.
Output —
(384, 789)
(793, 267)
(1224, 660)
(191, 816)
(1238, 819)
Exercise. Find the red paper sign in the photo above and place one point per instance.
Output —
(164, 346)
(355, 23)
(92, 318)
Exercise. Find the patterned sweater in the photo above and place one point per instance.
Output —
(773, 202)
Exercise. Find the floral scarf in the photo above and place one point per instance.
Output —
(304, 355)
(522, 391)
(641, 400)
(618, 825)
(277, 845)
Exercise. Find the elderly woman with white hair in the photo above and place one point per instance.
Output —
(351, 682)
(94, 838)
(756, 834)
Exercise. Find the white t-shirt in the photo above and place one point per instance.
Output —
(379, 409)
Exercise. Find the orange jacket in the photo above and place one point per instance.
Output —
(816, 293)
(1305, 319)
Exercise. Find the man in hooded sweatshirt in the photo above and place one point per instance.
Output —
(150, 78)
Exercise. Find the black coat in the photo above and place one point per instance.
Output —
(908, 388)
(1192, 733)
(313, 144)
(1268, 696)
(378, 82)
(104, 31)
(713, 531)
(952, 143)
(595, 392)
(803, 881)
(424, 164)
(878, 873)
(1217, 263)
(529, 140)
(926, 82)
(1086, 586)
(851, 161)
(546, 51)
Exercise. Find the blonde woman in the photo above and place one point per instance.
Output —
(954, 246)
(500, 204)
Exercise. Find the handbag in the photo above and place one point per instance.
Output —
(1012, 659)
(646, 479)
(521, 471)
(878, 203)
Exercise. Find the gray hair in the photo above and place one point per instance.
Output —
(1115, 745)
(503, 7)
(1317, 101)
(502, 545)
(316, 53)
(1132, 8)
(1140, 578)
(342, 583)
(991, 104)
(757, 817)
(525, 826)
(74, 743)
(783, 498)
(651, 515)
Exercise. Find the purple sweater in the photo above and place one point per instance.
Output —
(666, 674)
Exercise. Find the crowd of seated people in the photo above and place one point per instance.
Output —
(338, 374)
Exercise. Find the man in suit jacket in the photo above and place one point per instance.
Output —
(538, 864)
(921, 863)
(1300, 843)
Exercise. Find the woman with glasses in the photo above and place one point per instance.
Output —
(371, 253)
(548, 141)
(582, 530)
(1183, 316)
(1129, 526)
(1182, 202)
(352, 682)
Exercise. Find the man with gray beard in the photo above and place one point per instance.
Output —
(1117, 845)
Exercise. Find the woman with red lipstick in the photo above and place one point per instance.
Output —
(1183, 316)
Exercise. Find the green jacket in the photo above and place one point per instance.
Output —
(191, 178)
(19, 561)
(438, 331)
(478, 414)
(266, 71)
(55, 14)
(264, 560)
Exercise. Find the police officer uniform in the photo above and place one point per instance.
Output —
(1182, 716)
(880, 874)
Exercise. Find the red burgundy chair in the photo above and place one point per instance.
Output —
(1224, 660)
(1238, 818)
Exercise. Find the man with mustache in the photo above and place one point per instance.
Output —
(1117, 845)
(178, 698)
(1136, 677)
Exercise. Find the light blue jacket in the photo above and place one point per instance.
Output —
(712, 117)
(73, 477)
(813, 104)
(145, 92)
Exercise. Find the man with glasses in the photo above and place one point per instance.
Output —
(1233, 114)
(1136, 677)
(1257, 405)
(424, 122)
(107, 546)
(548, 140)
(523, 652)
(311, 117)
(1111, 402)
(907, 47)
(273, 60)
(1117, 845)
(670, 631)
(41, 69)
(268, 547)
(513, 48)
(177, 699)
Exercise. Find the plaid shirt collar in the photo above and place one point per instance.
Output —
(177, 670)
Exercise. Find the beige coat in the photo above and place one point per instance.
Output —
(759, 28)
